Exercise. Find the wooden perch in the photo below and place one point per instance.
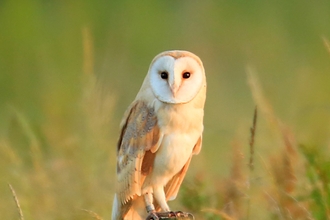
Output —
(172, 216)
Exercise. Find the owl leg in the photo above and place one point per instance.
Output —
(159, 195)
(149, 202)
(148, 198)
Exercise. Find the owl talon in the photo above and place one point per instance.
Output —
(169, 215)
(150, 208)
(152, 216)
(172, 214)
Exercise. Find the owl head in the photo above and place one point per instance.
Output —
(176, 76)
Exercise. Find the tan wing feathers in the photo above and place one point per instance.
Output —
(140, 135)
(148, 161)
(198, 146)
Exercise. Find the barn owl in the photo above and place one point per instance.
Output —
(160, 132)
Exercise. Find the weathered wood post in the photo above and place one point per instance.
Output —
(173, 216)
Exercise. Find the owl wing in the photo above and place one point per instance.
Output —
(139, 140)
(173, 186)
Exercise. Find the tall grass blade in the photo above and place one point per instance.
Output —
(21, 217)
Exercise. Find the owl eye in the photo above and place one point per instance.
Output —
(164, 75)
(186, 75)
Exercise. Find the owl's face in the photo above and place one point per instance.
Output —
(176, 76)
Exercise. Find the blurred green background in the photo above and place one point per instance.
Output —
(69, 69)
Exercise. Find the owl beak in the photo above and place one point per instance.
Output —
(174, 84)
(174, 89)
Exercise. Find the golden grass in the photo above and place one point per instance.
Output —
(21, 217)
(92, 214)
(259, 186)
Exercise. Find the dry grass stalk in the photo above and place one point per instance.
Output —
(224, 215)
(93, 214)
(29, 133)
(281, 199)
(231, 189)
(285, 177)
(97, 103)
(285, 173)
(88, 49)
(253, 132)
(326, 44)
(21, 217)
(260, 100)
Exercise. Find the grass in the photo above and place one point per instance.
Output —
(68, 71)
(21, 217)
(48, 177)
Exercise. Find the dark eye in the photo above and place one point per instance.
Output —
(164, 75)
(186, 75)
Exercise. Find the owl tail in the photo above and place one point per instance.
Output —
(129, 211)
(116, 209)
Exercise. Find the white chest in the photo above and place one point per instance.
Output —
(182, 126)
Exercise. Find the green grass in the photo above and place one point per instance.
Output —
(68, 71)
